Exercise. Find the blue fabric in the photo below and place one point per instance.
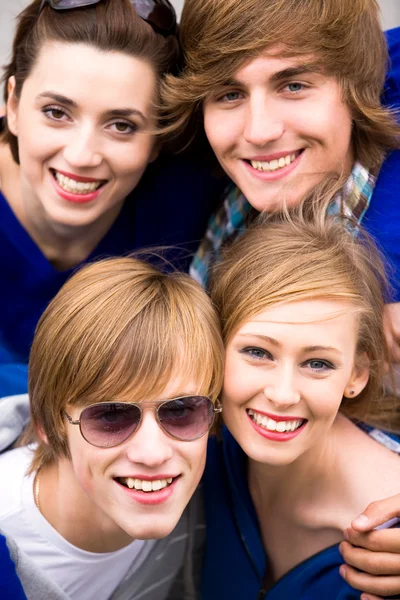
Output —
(170, 206)
(235, 560)
(10, 586)
(382, 219)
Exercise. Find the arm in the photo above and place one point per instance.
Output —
(374, 552)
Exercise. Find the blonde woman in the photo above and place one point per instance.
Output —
(301, 306)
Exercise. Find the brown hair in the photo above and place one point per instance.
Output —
(110, 25)
(219, 36)
(119, 329)
(308, 255)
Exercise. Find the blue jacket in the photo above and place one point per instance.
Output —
(235, 561)
(382, 219)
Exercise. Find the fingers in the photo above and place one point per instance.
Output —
(378, 586)
(385, 540)
(377, 513)
(373, 563)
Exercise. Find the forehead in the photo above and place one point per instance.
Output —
(76, 70)
(273, 62)
(305, 318)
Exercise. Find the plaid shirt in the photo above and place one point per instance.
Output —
(236, 213)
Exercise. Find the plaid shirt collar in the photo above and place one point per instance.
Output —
(236, 212)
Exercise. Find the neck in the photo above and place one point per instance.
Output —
(65, 505)
(63, 245)
(304, 478)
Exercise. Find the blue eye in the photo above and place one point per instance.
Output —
(295, 87)
(319, 366)
(230, 97)
(256, 353)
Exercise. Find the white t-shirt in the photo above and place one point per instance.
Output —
(81, 575)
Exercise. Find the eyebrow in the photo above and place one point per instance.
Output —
(310, 68)
(115, 112)
(302, 69)
(277, 344)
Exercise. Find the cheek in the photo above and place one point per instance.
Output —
(219, 128)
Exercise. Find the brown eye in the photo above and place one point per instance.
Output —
(124, 127)
(56, 113)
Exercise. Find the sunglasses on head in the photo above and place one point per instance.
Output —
(160, 14)
(108, 424)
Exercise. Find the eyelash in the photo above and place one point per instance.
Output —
(327, 366)
(251, 351)
(303, 87)
(47, 110)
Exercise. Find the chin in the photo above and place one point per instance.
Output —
(152, 530)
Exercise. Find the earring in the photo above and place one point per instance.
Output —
(351, 392)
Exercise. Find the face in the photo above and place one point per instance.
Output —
(83, 123)
(287, 370)
(277, 128)
(165, 472)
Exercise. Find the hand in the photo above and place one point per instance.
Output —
(392, 330)
(376, 553)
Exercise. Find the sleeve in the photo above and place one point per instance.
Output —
(391, 96)
(35, 583)
(14, 416)
(10, 585)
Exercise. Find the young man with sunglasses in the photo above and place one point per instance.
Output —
(124, 373)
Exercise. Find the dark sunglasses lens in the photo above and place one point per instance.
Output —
(109, 424)
(187, 418)
(158, 13)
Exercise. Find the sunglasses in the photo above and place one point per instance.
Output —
(108, 424)
(160, 14)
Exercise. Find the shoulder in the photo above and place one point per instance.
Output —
(392, 86)
(372, 473)
(36, 584)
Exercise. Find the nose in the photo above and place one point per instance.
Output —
(264, 122)
(82, 148)
(281, 389)
(150, 445)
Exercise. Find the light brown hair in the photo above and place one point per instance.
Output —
(219, 36)
(307, 255)
(119, 329)
(110, 25)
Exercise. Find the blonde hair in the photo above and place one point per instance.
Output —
(345, 36)
(119, 329)
(308, 255)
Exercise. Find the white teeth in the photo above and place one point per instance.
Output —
(145, 485)
(273, 165)
(76, 187)
(272, 425)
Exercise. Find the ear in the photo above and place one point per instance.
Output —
(41, 434)
(12, 107)
(359, 376)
